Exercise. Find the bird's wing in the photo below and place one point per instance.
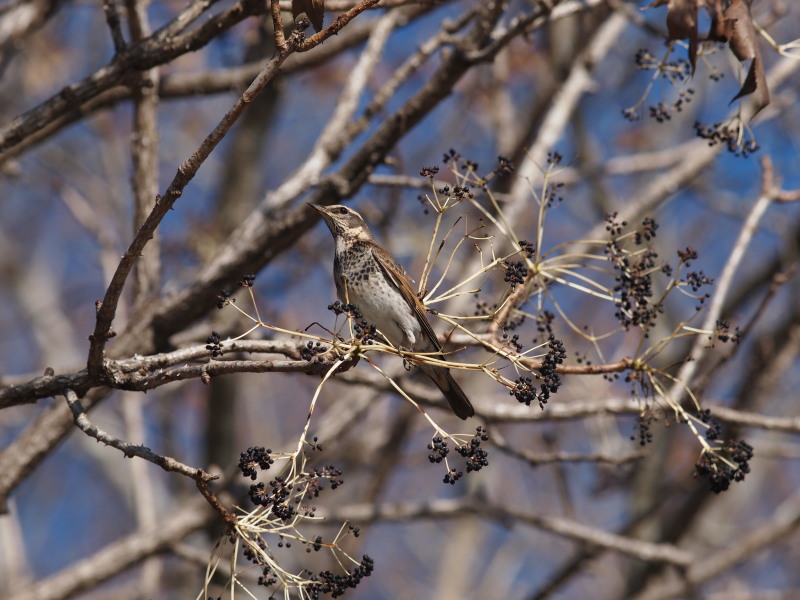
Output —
(398, 276)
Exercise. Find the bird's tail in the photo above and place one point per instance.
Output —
(451, 390)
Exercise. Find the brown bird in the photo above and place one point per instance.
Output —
(314, 9)
(368, 277)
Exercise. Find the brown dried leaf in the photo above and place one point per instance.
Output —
(735, 26)
(731, 23)
(682, 23)
(314, 10)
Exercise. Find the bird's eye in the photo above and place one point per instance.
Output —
(342, 210)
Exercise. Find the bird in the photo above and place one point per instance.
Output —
(313, 9)
(368, 277)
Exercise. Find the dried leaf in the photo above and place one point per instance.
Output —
(314, 10)
(735, 26)
(731, 23)
(682, 23)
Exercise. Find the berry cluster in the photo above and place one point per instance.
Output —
(310, 350)
(697, 279)
(247, 281)
(340, 308)
(525, 390)
(554, 158)
(477, 457)
(513, 342)
(224, 298)
(450, 155)
(515, 273)
(714, 431)
(642, 430)
(504, 166)
(634, 275)
(719, 472)
(313, 481)
(723, 332)
(276, 497)
(527, 247)
(457, 191)
(482, 308)
(614, 227)
(255, 456)
(551, 193)
(214, 344)
(550, 379)
(266, 578)
(719, 133)
(364, 331)
(440, 450)
(647, 232)
(429, 172)
(687, 256)
(335, 584)
(452, 476)
(544, 322)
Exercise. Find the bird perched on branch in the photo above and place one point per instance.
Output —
(368, 277)
(314, 10)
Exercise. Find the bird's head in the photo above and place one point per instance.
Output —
(343, 221)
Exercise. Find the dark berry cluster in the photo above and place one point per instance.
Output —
(336, 584)
(551, 193)
(266, 578)
(634, 285)
(613, 226)
(450, 155)
(697, 279)
(714, 431)
(544, 322)
(224, 298)
(341, 308)
(687, 256)
(527, 392)
(275, 494)
(723, 331)
(644, 59)
(461, 192)
(313, 480)
(214, 344)
(515, 272)
(429, 172)
(247, 281)
(527, 247)
(719, 472)
(719, 133)
(255, 457)
(504, 166)
(662, 112)
(513, 321)
(642, 428)
(365, 332)
(550, 379)
(482, 308)
(513, 342)
(452, 476)
(647, 232)
(439, 450)
(477, 457)
(554, 158)
(310, 350)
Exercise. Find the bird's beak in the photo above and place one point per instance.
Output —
(320, 209)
